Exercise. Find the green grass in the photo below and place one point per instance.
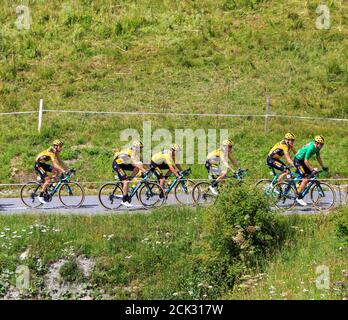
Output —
(150, 252)
(206, 57)
(318, 257)
(162, 256)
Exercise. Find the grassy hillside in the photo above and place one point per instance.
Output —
(170, 56)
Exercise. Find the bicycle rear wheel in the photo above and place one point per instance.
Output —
(71, 195)
(151, 195)
(110, 195)
(183, 191)
(283, 195)
(323, 196)
(201, 193)
(29, 194)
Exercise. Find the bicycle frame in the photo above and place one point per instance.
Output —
(57, 186)
(176, 180)
(137, 187)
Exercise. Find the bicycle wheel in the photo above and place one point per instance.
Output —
(151, 195)
(265, 186)
(283, 195)
(110, 195)
(323, 196)
(71, 195)
(29, 194)
(201, 193)
(183, 191)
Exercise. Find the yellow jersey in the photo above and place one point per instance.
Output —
(278, 150)
(215, 156)
(124, 156)
(163, 157)
(47, 155)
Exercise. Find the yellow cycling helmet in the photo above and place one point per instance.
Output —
(175, 147)
(227, 142)
(58, 142)
(290, 136)
(319, 139)
(137, 144)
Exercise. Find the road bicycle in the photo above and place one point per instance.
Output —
(70, 193)
(202, 193)
(149, 193)
(321, 194)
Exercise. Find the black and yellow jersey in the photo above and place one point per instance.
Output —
(279, 150)
(216, 156)
(163, 156)
(47, 155)
(127, 156)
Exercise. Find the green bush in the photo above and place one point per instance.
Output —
(239, 232)
(70, 272)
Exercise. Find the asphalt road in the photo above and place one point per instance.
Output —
(91, 206)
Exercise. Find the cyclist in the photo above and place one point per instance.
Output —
(279, 150)
(165, 160)
(128, 160)
(217, 164)
(304, 167)
(42, 167)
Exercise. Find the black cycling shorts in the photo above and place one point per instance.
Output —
(121, 168)
(301, 167)
(42, 169)
(157, 169)
(276, 164)
(213, 170)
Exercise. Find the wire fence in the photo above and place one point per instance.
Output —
(266, 115)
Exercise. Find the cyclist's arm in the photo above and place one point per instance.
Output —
(135, 160)
(308, 164)
(178, 165)
(234, 162)
(58, 166)
(320, 161)
(225, 163)
(173, 170)
(288, 159)
(140, 166)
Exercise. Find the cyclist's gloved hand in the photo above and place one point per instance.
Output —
(314, 171)
(325, 168)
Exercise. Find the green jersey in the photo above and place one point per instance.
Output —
(307, 152)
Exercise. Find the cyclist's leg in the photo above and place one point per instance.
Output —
(120, 169)
(304, 172)
(278, 165)
(134, 173)
(158, 173)
(42, 169)
(216, 173)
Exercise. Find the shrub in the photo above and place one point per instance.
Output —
(70, 272)
(239, 231)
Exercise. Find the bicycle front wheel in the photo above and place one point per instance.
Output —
(202, 194)
(265, 186)
(183, 191)
(110, 195)
(71, 195)
(151, 195)
(29, 194)
(283, 195)
(323, 196)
